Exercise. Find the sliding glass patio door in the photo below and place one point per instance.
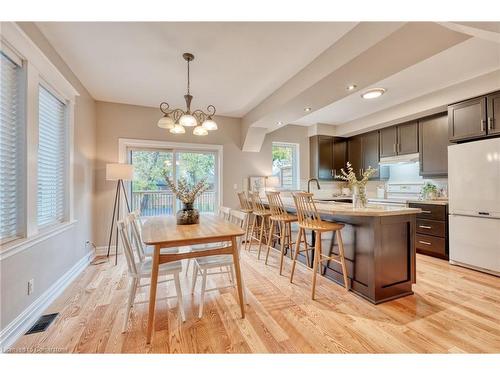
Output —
(149, 191)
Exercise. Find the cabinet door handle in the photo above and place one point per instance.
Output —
(491, 123)
(425, 212)
(425, 226)
(399, 147)
(394, 147)
(425, 243)
(483, 123)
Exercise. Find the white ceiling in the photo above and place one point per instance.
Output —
(236, 66)
(467, 60)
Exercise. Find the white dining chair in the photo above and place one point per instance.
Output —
(141, 269)
(204, 266)
(143, 250)
(223, 213)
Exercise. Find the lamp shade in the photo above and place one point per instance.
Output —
(117, 171)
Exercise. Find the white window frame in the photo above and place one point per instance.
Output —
(38, 70)
(124, 144)
(297, 162)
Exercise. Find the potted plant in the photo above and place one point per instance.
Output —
(187, 194)
(429, 191)
(358, 187)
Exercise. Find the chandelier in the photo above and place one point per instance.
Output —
(176, 120)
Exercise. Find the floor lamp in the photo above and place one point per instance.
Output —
(119, 173)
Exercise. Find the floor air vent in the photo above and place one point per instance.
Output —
(42, 323)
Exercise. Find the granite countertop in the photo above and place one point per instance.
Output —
(346, 209)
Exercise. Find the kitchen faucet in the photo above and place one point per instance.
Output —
(309, 184)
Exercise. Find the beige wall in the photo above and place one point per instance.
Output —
(116, 121)
(50, 259)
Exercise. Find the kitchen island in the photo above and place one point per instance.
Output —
(379, 245)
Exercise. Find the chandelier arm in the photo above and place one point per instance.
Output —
(211, 110)
(200, 115)
(177, 113)
(164, 106)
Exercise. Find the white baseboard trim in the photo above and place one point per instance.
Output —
(16, 328)
(103, 251)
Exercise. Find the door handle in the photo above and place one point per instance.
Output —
(425, 212)
(425, 243)
(399, 147)
(483, 123)
(394, 147)
(491, 122)
(425, 226)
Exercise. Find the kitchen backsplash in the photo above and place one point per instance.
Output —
(398, 173)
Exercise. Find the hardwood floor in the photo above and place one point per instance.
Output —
(453, 310)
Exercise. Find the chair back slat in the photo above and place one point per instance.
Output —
(275, 203)
(137, 242)
(238, 218)
(307, 213)
(245, 203)
(224, 213)
(257, 205)
(123, 226)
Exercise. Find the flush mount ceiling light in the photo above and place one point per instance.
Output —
(351, 87)
(279, 123)
(307, 109)
(373, 93)
(176, 119)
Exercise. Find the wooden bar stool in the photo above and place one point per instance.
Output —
(309, 219)
(259, 231)
(281, 220)
(246, 207)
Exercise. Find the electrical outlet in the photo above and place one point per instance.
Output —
(31, 286)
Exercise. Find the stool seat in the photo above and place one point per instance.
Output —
(321, 226)
(262, 212)
(287, 218)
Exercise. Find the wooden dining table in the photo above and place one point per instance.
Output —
(163, 232)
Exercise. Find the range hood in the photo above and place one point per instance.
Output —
(399, 159)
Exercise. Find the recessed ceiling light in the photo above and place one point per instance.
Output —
(280, 122)
(351, 87)
(373, 93)
(307, 109)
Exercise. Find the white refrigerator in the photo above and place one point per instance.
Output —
(474, 204)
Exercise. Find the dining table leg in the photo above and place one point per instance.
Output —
(236, 260)
(152, 292)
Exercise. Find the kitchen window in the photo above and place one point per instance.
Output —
(285, 169)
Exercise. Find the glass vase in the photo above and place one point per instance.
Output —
(188, 215)
(358, 197)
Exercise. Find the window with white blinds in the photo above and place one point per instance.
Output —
(11, 149)
(52, 159)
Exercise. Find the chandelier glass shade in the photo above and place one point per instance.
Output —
(176, 120)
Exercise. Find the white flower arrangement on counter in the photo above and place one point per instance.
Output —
(354, 183)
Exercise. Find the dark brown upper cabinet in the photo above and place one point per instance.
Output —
(327, 156)
(399, 140)
(354, 154)
(433, 139)
(493, 111)
(407, 138)
(467, 120)
(388, 141)
(370, 152)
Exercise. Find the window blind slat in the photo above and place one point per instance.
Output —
(51, 159)
(10, 158)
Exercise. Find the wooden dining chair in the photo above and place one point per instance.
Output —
(260, 223)
(280, 226)
(141, 269)
(245, 207)
(309, 219)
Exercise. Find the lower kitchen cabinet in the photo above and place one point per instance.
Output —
(432, 230)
